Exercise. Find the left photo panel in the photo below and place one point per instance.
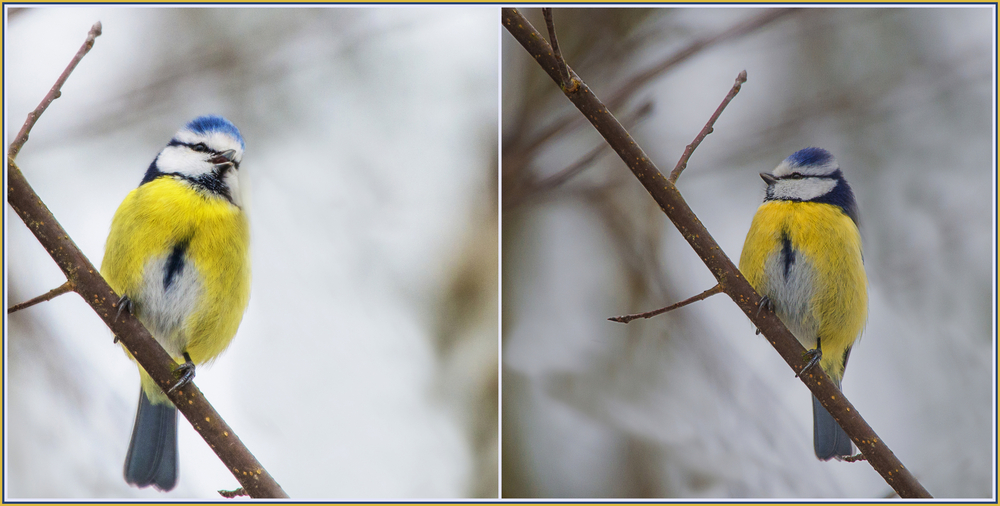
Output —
(300, 205)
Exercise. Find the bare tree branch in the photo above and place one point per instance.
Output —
(707, 129)
(49, 295)
(54, 93)
(566, 78)
(86, 280)
(649, 314)
(729, 277)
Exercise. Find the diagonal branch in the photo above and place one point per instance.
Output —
(86, 280)
(729, 277)
(54, 93)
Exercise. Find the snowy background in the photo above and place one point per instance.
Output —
(366, 364)
(693, 404)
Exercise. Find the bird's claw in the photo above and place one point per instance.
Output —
(814, 355)
(124, 304)
(764, 301)
(184, 374)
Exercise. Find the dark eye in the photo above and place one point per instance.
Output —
(200, 147)
(795, 175)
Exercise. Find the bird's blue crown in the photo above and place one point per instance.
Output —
(213, 123)
(809, 156)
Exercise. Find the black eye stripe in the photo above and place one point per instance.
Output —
(798, 175)
(200, 147)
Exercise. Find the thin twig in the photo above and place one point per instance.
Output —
(54, 93)
(708, 128)
(649, 314)
(729, 277)
(51, 294)
(547, 14)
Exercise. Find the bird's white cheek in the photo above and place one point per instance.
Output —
(182, 161)
(802, 189)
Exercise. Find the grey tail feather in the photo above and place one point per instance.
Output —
(152, 453)
(829, 440)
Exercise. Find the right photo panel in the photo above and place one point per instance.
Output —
(748, 252)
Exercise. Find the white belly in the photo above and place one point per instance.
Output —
(791, 287)
(165, 309)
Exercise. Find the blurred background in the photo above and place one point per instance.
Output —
(692, 403)
(366, 364)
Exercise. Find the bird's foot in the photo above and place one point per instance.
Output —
(764, 301)
(184, 373)
(814, 355)
(124, 304)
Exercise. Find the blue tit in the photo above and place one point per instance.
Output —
(803, 255)
(178, 255)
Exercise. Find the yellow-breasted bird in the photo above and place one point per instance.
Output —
(803, 255)
(178, 255)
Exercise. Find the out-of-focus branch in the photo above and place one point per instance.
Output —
(85, 279)
(625, 91)
(552, 182)
(729, 277)
(738, 30)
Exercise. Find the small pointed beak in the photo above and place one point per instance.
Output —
(224, 158)
(768, 178)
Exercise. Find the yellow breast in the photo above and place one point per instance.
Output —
(146, 229)
(823, 292)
